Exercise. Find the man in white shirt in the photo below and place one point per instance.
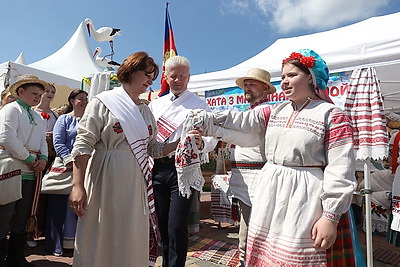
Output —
(246, 162)
(173, 209)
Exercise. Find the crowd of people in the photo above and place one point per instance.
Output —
(121, 176)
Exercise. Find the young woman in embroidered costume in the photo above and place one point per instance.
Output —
(308, 180)
(49, 116)
(114, 200)
(60, 219)
(23, 156)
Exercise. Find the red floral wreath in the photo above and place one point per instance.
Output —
(45, 115)
(307, 62)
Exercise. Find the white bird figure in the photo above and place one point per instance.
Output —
(104, 61)
(103, 34)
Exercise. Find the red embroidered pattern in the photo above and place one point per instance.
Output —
(331, 216)
(396, 204)
(10, 174)
(188, 156)
(117, 128)
(265, 248)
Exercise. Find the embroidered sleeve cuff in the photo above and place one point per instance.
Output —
(44, 157)
(29, 159)
(331, 216)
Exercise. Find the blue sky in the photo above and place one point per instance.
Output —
(213, 34)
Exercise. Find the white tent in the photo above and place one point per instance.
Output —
(73, 60)
(66, 67)
(372, 42)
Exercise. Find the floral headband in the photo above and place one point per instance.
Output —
(317, 66)
(307, 62)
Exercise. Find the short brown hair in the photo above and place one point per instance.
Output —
(135, 62)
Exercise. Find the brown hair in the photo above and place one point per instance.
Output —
(135, 62)
(5, 93)
(73, 95)
(297, 63)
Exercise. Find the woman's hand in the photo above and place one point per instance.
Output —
(78, 200)
(324, 233)
(198, 138)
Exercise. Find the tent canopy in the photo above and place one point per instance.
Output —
(73, 60)
(372, 42)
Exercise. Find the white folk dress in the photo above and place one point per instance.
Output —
(309, 173)
(115, 229)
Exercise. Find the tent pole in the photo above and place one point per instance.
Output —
(368, 219)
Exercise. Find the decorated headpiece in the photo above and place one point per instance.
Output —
(317, 66)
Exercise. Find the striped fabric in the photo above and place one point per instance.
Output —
(341, 132)
(215, 251)
(364, 106)
(387, 256)
(277, 249)
(247, 165)
(341, 253)
(165, 128)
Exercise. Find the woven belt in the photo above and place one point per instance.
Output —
(247, 165)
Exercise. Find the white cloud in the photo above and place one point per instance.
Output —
(291, 15)
(235, 6)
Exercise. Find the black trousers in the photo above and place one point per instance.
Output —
(172, 211)
(15, 215)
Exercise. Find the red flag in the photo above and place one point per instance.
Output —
(169, 50)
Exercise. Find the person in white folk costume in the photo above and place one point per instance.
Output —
(246, 162)
(173, 202)
(112, 190)
(309, 178)
(23, 156)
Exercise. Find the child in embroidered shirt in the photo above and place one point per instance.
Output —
(23, 155)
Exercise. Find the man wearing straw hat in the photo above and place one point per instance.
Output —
(247, 162)
(23, 154)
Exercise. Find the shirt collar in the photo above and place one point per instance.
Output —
(259, 102)
(24, 105)
(28, 109)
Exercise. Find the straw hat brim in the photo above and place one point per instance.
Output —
(17, 84)
(240, 83)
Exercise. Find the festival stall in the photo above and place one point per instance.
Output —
(374, 42)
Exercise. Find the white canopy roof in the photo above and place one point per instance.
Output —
(372, 42)
(73, 60)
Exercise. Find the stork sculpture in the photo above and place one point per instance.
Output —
(103, 34)
(104, 61)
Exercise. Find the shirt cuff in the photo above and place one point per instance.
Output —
(67, 159)
(44, 157)
(29, 159)
(331, 216)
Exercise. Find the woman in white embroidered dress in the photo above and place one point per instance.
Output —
(111, 199)
(308, 180)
